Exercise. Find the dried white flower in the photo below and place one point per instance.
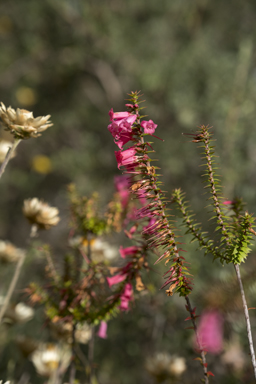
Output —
(63, 331)
(234, 355)
(50, 357)
(9, 253)
(4, 147)
(163, 365)
(22, 124)
(40, 213)
(19, 313)
(83, 333)
(101, 250)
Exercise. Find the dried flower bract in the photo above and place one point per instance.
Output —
(22, 124)
(40, 213)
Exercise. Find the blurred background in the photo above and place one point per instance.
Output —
(194, 62)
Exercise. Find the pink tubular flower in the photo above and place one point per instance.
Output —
(122, 139)
(126, 297)
(228, 202)
(102, 332)
(115, 279)
(126, 157)
(128, 251)
(150, 225)
(132, 105)
(122, 186)
(117, 115)
(149, 126)
(121, 182)
(210, 331)
(121, 129)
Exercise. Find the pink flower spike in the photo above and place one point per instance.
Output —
(228, 202)
(115, 279)
(149, 126)
(102, 332)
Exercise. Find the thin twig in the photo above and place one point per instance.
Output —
(73, 363)
(13, 282)
(206, 379)
(9, 155)
(90, 356)
(247, 318)
(12, 285)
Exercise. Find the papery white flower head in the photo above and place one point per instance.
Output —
(83, 333)
(19, 313)
(4, 147)
(63, 331)
(9, 253)
(40, 213)
(101, 250)
(163, 365)
(234, 355)
(50, 357)
(22, 124)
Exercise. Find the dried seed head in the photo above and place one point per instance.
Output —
(40, 213)
(22, 124)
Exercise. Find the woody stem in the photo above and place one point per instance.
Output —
(247, 318)
(9, 155)
(206, 379)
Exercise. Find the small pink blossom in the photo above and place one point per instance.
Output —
(102, 332)
(122, 139)
(128, 251)
(210, 331)
(131, 232)
(122, 182)
(126, 297)
(228, 202)
(121, 129)
(117, 115)
(126, 157)
(122, 186)
(124, 195)
(132, 105)
(150, 225)
(115, 279)
(149, 126)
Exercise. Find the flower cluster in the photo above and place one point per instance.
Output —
(135, 160)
